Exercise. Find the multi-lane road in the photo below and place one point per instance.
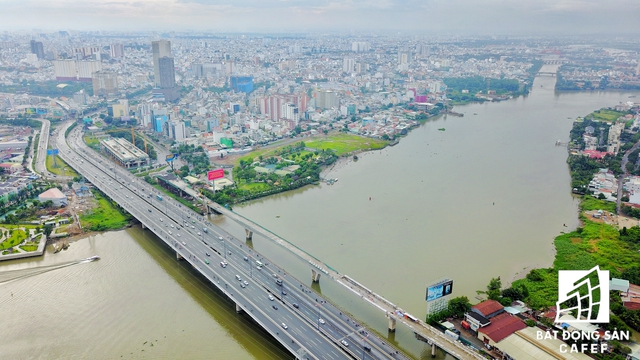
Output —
(300, 319)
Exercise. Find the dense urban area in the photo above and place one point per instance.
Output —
(210, 119)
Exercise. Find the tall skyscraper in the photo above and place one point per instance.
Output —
(348, 65)
(166, 73)
(160, 49)
(37, 48)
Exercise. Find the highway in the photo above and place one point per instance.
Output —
(313, 327)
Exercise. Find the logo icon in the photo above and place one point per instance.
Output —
(585, 293)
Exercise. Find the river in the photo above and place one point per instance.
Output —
(484, 198)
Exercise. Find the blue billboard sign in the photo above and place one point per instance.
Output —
(52, 151)
(439, 290)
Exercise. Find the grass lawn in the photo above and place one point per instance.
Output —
(255, 187)
(266, 153)
(12, 226)
(16, 238)
(143, 174)
(29, 247)
(343, 144)
(591, 203)
(104, 217)
(59, 167)
(606, 115)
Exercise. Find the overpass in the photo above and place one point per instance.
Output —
(302, 321)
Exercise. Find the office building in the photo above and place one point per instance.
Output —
(116, 50)
(87, 68)
(86, 52)
(290, 112)
(72, 70)
(404, 56)
(104, 83)
(160, 49)
(177, 130)
(38, 49)
(158, 122)
(197, 70)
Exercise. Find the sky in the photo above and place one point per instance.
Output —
(463, 17)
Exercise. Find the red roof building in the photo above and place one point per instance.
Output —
(501, 326)
(488, 308)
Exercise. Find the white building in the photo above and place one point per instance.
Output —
(55, 195)
(177, 130)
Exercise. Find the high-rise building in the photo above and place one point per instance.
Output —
(116, 50)
(326, 99)
(85, 52)
(166, 72)
(37, 48)
(198, 70)
(160, 49)
(290, 112)
(177, 130)
(72, 70)
(158, 122)
(404, 56)
(360, 46)
(104, 83)
(348, 65)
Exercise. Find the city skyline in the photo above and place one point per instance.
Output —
(483, 17)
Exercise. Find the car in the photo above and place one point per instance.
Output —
(193, 227)
(199, 233)
(271, 297)
(178, 234)
(160, 220)
(259, 267)
(246, 258)
(296, 306)
(321, 321)
(274, 307)
(206, 261)
(172, 226)
(243, 286)
(344, 342)
(207, 254)
(222, 264)
(284, 292)
(170, 233)
(184, 243)
(284, 326)
(366, 348)
(245, 283)
(149, 210)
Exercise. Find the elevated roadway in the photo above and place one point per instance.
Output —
(301, 320)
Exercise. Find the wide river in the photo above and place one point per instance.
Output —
(481, 199)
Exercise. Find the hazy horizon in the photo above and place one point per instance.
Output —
(479, 17)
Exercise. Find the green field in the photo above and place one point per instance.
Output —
(257, 187)
(605, 115)
(29, 247)
(91, 141)
(105, 216)
(59, 166)
(343, 144)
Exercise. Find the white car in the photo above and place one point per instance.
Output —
(284, 326)
(321, 321)
(343, 342)
(271, 297)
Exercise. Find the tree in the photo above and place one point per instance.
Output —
(601, 196)
(385, 137)
(48, 229)
(459, 305)
(184, 170)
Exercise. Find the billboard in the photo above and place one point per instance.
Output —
(215, 174)
(170, 157)
(41, 111)
(439, 290)
(52, 151)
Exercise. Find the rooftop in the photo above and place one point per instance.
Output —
(502, 326)
(488, 307)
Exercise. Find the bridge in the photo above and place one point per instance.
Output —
(546, 73)
(302, 321)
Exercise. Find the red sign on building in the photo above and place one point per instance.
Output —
(215, 174)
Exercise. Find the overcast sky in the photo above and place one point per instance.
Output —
(526, 17)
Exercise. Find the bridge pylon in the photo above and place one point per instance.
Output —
(392, 323)
(238, 308)
(178, 256)
(315, 275)
(249, 234)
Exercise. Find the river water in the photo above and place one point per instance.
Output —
(483, 198)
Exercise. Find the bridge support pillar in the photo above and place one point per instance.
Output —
(315, 275)
(433, 350)
(249, 234)
(392, 324)
(143, 227)
(179, 257)
(238, 309)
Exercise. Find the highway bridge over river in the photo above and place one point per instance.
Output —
(296, 316)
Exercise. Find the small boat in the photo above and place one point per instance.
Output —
(94, 258)
(277, 216)
(441, 129)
